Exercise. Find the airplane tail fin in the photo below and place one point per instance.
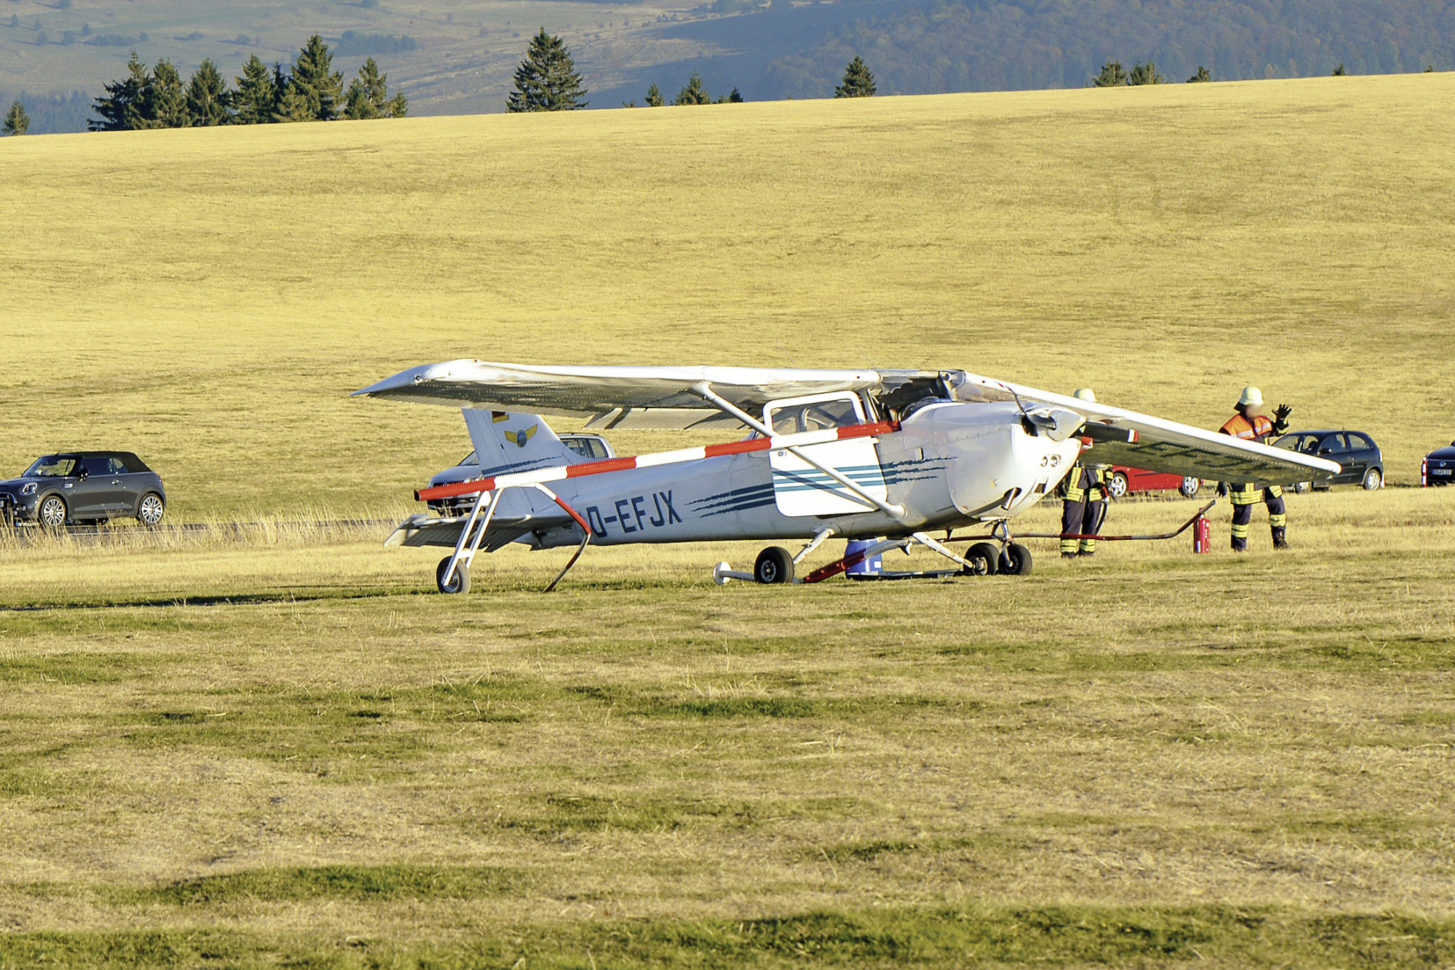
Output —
(508, 442)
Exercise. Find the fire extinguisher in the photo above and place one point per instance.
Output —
(1201, 534)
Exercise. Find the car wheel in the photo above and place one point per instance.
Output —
(774, 565)
(1116, 485)
(1301, 487)
(51, 512)
(1373, 478)
(1190, 486)
(150, 509)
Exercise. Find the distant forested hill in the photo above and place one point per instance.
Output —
(458, 56)
(981, 45)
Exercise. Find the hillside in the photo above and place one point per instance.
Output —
(458, 58)
(209, 298)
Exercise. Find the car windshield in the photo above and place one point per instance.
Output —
(51, 466)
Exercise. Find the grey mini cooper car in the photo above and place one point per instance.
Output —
(84, 486)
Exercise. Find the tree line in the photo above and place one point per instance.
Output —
(310, 90)
(547, 80)
(933, 46)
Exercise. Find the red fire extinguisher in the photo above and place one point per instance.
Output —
(1201, 534)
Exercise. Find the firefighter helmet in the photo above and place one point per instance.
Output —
(1252, 397)
(1085, 394)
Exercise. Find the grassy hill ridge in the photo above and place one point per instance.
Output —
(209, 297)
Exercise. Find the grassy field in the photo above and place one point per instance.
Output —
(284, 749)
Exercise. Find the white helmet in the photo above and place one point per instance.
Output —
(1252, 397)
(1085, 394)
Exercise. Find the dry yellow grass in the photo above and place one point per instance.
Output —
(255, 749)
(210, 297)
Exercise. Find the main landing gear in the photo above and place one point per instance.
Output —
(776, 565)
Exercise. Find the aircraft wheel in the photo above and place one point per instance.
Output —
(774, 565)
(1015, 560)
(1189, 487)
(983, 558)
(1117, 485)
(461, 583)
(52, 512)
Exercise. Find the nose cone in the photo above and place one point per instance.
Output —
(1005, 461)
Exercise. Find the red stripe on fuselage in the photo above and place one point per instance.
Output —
(622, 464)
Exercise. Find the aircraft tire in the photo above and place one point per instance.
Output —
(983, 558)
(773, 565)
(462, 577)
(1015, 560)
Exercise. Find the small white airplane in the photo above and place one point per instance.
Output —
(885, 456)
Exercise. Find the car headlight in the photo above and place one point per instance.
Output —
(29, 488)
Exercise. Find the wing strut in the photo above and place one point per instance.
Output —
(705, 391)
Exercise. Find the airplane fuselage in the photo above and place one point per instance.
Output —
(949, 465)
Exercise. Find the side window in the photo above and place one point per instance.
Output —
(116, 466)
(1362, 442)
(1334, 444)
(96, 466)
(813, 413)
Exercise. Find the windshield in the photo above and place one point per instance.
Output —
(52, 466)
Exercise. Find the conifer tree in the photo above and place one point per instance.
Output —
(368, 96)
(1203, 74)
(694, 93)
(256, 97)
(164, 102)
(546, 80)
(1111, 75)
(858, 82)
(121, 108)
(208, 100)
(654, 96)
(1145, 74)
(315, 88)
(17, 122)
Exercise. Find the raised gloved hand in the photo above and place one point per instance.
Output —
(1280, 418)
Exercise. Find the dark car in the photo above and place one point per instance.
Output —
(1438, 467)
(84, 486)
(592, 447)
(1123, 479)
(1358, 456)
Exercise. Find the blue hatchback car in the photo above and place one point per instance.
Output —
(1438, 467)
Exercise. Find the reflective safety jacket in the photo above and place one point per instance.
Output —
(1257, 429)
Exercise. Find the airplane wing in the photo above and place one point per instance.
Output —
(621, 397)
(664, 397)
(1122, 437)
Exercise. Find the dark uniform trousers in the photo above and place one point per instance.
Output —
(1083, 511)
(1244, 496)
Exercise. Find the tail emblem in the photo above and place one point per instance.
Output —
(519, 438)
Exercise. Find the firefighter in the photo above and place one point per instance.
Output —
(1084, 507)
(1251, 425)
